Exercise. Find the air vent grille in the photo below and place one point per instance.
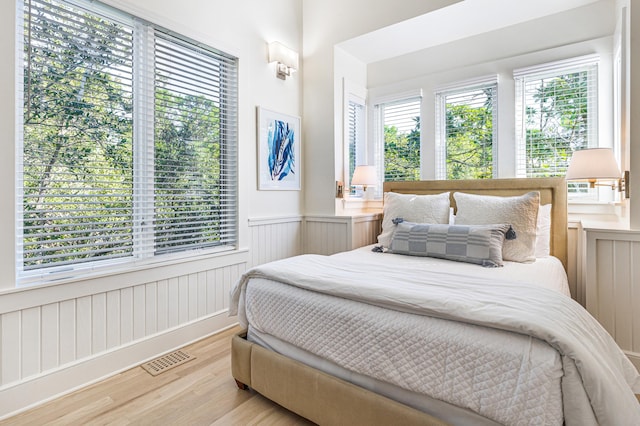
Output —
(167, 362)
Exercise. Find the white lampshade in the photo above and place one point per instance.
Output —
(365, 176)
(593, 164)
(286, 59)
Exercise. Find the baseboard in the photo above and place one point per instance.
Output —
(43, 388)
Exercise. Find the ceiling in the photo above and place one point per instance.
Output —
(458, 21)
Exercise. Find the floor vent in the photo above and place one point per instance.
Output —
(167, 362)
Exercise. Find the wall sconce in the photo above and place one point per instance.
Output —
(597, 164)
(285, 58)
(365, 176)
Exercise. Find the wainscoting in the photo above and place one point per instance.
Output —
(613, 285)
(333, 234)
(56, 338)
(51, 343)
(275, 238)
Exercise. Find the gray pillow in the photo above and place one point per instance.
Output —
(479, 244)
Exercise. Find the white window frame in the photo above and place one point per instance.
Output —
(143, 141)
(378, 131)
(589, 63)
(441, 94)
(354, 94)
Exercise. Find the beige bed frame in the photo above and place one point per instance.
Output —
(325, 399)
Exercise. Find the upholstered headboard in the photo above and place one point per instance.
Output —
(552, 191)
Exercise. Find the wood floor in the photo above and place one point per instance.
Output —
(199, 392)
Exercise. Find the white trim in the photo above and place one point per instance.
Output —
(29, 393)
(395, 97)
(463, 85)
(259, 221)
(550, 67)
(15, 299)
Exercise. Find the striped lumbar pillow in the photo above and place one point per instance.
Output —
(479, 244)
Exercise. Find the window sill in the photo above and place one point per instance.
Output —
(354, 205)
(611, 212)
(145, 270)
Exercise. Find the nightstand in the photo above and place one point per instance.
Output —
(611, 275)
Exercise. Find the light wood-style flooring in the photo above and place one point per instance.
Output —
(199, 392)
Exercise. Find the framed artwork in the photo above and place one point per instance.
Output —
(278, 151)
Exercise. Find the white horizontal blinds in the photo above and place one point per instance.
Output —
(401, 131)
(556, 115)
(195, 146)
(77, 137)
(130, 140)
(469, 138)
(355, 116)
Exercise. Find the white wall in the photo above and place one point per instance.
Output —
(59, 335)
(327, 23)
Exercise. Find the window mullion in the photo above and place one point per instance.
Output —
(143, 139)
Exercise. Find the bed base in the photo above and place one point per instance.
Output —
(315, 395)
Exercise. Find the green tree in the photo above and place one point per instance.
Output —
(557, 123)
(402, 153)
(77, 147)
(469, 138)
(187, 172)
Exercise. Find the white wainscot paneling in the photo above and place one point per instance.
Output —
(51, 344)
(613, 285)
(333, 234)
(275, 238)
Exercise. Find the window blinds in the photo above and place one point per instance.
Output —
(401, 134)
(195, 150)
(129, 140)
(465, 138)
(355, 124)
(556, 114)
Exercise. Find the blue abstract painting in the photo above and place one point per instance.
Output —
(279, 158)
(281, 154)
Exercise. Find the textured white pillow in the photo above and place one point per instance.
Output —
(521, 212)
(543, 231)
(412, 208)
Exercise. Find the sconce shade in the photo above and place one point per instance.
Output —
(287, 59)
(593, 164)
(364, 175)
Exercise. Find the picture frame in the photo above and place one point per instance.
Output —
(279, 157)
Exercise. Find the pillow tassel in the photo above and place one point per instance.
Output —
(397, 220)
(511, 233)
(377, 249)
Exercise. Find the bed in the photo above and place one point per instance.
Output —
(373, 337)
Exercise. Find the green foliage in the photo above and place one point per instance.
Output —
(556, 123)
(469, 141)
(78, 149)
(402, 153)
(187, 156)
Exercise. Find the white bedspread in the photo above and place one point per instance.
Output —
(596, 372)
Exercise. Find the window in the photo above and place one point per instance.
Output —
(556, 114)
(355, 136)
(466, 117)
(128, 144)
(398, 127)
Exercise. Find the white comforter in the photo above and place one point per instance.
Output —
(597, 373)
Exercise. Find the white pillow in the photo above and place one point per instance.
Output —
(543, 231)
(412, 208)
(521, 212)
